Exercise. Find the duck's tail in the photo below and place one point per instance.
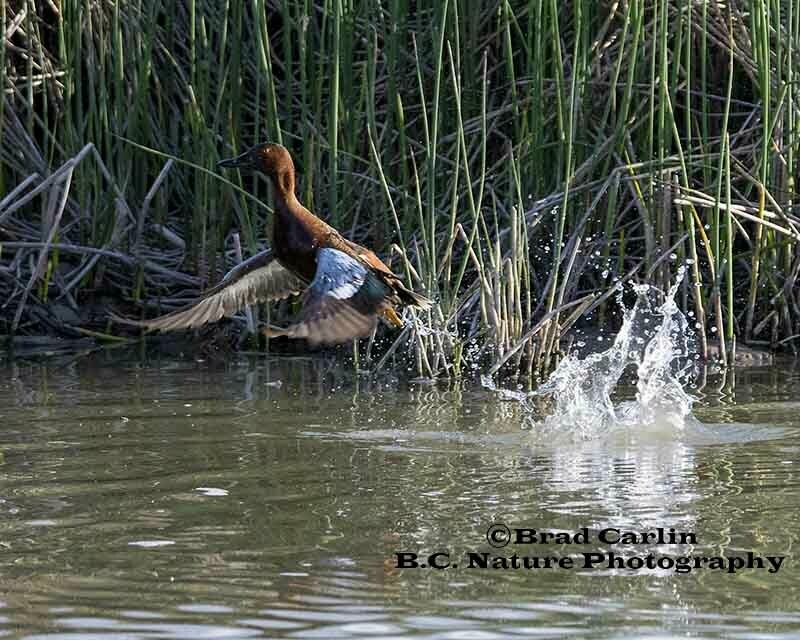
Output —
(412, 299)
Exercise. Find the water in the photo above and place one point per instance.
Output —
(268, 497)
(656, 343)
(653, 354)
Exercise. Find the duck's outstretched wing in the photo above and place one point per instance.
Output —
(341, 303)
(257, 279)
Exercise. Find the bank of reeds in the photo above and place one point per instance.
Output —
(516, 161)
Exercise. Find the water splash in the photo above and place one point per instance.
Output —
(655, 344)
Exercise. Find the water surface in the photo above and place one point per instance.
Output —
(267, 497)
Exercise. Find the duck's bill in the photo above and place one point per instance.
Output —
(243, 161)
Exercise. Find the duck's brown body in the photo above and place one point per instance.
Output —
(297, 234)
(345, 286)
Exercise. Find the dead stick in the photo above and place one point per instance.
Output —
(45, 250)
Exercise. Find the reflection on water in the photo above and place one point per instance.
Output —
(267, 498)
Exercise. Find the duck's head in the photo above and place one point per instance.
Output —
(271, 159)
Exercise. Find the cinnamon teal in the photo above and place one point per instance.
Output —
(345, 287)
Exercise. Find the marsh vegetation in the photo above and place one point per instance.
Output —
(518, 162)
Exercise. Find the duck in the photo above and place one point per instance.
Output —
(345, 287)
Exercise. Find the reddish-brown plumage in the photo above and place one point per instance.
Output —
(297, 233)
(346, 285)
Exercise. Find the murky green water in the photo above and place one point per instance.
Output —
(268, 497)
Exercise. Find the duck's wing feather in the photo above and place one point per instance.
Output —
(406, 295)
(260, 278)
(341, 303)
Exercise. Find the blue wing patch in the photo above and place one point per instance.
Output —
(341, 303)
(338, 275)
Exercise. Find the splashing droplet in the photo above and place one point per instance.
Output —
(656, 343)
